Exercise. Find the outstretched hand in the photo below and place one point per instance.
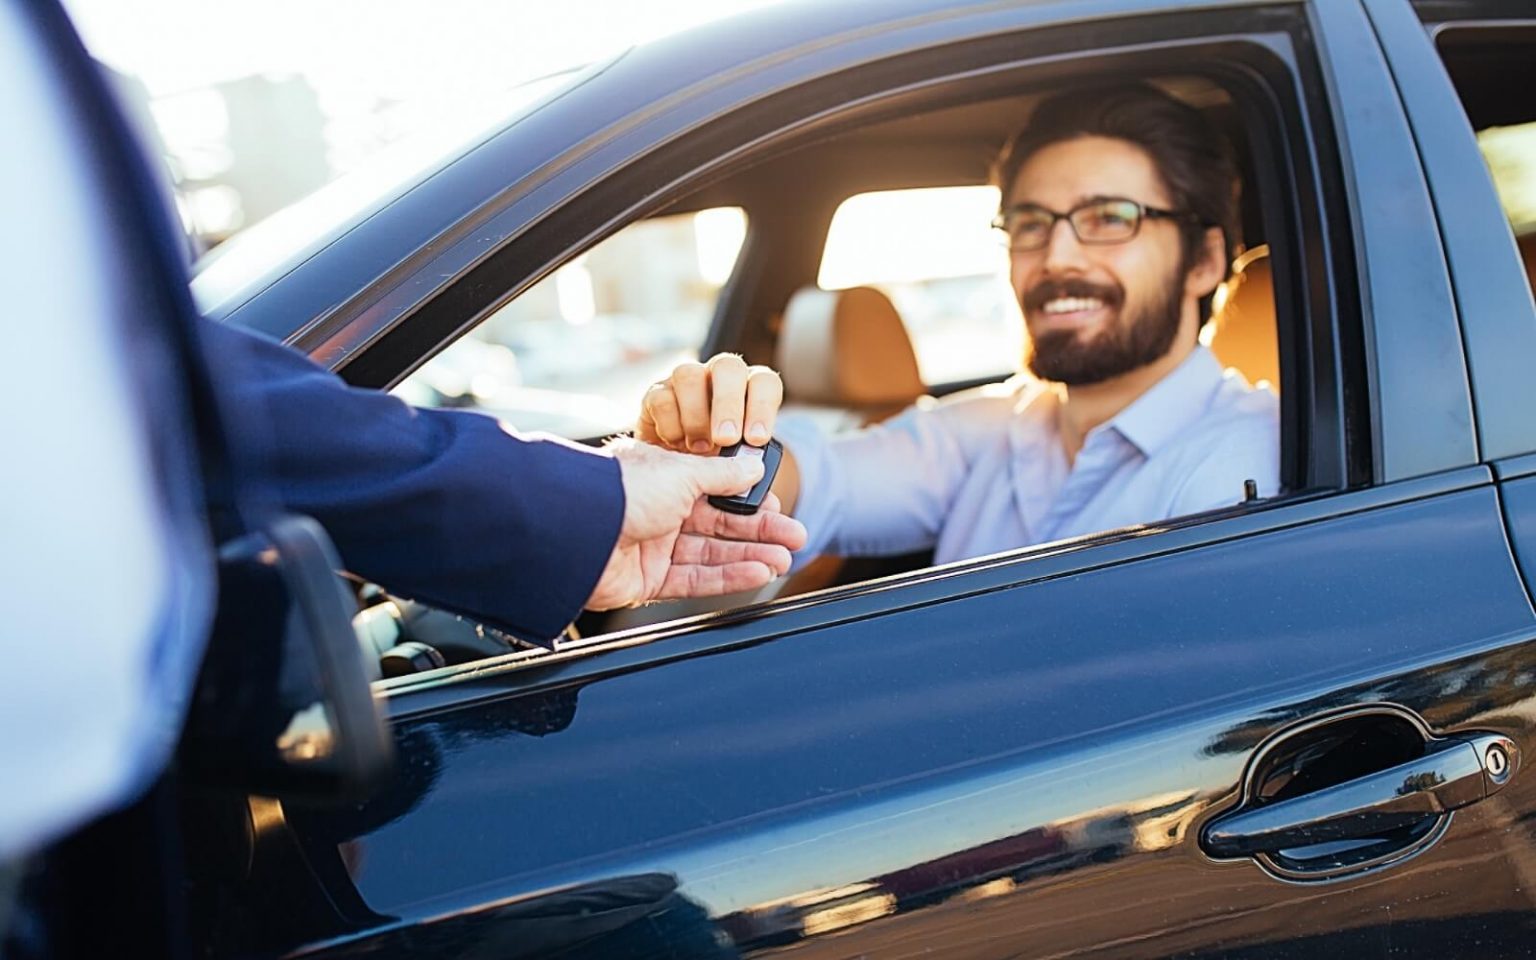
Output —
(672, 543)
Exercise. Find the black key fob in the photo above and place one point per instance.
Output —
(749, 502)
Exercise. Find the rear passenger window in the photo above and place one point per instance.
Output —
(1494, 70)
(934, 253)
(1511, 155)
(573, 354)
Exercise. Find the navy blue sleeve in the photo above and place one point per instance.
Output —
(451, 508)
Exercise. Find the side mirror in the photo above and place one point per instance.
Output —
(283, 706)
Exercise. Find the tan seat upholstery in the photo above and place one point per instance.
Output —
(1244, 329)
(847, 350)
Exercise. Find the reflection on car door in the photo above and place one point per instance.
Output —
(1019, 756)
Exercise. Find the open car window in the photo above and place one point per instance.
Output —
(903, 208)
(573, 354)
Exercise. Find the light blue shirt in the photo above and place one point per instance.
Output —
(984, 472)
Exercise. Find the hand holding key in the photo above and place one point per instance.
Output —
(701, 407)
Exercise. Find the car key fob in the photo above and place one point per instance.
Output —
(749, 502)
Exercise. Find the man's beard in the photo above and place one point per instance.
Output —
(1130, 343)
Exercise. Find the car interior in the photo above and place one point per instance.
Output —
(848, 354)
(848, 344)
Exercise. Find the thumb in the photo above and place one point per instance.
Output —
(725, 476)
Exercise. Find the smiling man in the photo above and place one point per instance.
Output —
(1120, 208)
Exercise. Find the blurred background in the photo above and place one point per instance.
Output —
(266, 114)
(256, 105)
(282, 112)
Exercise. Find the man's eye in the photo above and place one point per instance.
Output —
(1030, 226)
(1110, 217)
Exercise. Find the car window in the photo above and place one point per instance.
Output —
(573, 354)
(934, 253)
(1510, 152)
(936, 257)
(1488, 67)
(1511, 155)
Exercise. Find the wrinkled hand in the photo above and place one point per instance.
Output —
(672, 543)
(702, 407)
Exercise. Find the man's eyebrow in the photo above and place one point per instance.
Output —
(1080, 201)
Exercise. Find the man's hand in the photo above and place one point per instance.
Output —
(702, 407)
(674, 544)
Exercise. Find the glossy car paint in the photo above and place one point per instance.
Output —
(1005, 757)
(1000, 770)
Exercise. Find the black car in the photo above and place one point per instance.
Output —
(1289, 728)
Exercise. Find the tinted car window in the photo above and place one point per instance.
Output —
(1492, 71)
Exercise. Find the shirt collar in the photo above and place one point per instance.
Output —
(1170, 405)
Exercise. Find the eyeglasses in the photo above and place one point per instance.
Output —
(1103, 220)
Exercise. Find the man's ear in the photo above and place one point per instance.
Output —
(1210, 266)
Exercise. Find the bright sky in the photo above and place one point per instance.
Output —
(393, 48)
(381, 71)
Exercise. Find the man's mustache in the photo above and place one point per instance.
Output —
(1047, 290)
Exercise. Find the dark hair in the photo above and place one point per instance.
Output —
(1193, 160)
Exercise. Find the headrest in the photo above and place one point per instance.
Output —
(1243, 322)
(846, 348)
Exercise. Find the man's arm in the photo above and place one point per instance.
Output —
(450, 508)
(459, 511)
(875, 491)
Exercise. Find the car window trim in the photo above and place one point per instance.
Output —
(1324, 451)
(1493, 294)
(644, 647)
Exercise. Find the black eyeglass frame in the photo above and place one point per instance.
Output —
(1143, 212)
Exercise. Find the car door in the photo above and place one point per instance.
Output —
(1156, 742)
(1488, 49)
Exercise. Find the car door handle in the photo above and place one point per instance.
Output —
(1454, 774)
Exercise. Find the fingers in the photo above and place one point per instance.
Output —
(659, 420)
(692, 549)
(768, 525)
(702, 407)
(728, 393)
(689, 580)
(724, 476)
(690, 385)
(765, 393)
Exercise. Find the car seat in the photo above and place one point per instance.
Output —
(845, 357)
(847, 362)
(1244, 334)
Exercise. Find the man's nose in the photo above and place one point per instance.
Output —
(1063, 251)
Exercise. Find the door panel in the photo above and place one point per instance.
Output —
(1023, 771)
(1520, 510)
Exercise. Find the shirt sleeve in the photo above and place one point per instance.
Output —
(881, 490)
(1247, 450)
(452, 508)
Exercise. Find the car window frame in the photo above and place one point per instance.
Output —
(1494, 298)
(379, 365)
(1328, 328)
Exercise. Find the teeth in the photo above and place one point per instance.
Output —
(1071, 304)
